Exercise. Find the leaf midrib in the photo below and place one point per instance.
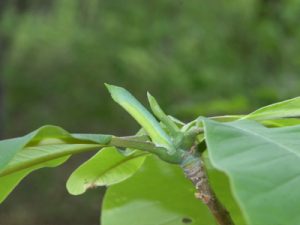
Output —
(116, 165)
(45, 158)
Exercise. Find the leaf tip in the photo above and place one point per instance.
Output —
(151, 100)
(108, 86)
(149, 95)
(74, 189)
(116, 91)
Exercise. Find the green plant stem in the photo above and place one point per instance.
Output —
(148, 146)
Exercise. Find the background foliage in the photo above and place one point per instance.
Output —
(208, 57)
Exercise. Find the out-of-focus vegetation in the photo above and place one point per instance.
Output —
(198, 57)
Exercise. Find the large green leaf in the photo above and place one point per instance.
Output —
(263, 167)
(158, 194)
(288, 108)
(107, 167)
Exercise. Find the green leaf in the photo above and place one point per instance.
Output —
(157, 194)
(32, 156)
(288, 108)
(8, 148)
(44, 144)
(9, 182)
(160, 114)
(263, 168)
(176, 121)
(49, 146)
(281, 122)
(107, 167)
(141, 115)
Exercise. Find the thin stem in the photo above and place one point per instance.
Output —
(195, 171)
(125, 142)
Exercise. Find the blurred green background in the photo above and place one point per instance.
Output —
(204, 57)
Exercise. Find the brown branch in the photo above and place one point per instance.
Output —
(195, 171)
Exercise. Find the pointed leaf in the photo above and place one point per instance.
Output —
(141, 115)
(160, 114)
